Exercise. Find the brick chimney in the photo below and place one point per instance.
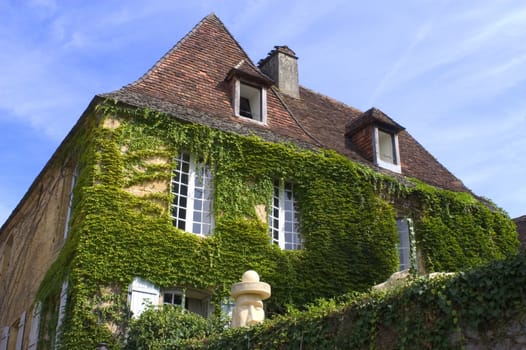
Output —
(281, 65)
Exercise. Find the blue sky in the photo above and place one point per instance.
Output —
(452, 72)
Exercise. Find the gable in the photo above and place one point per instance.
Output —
(193, 81)
(195, 74)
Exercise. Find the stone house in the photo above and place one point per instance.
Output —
(521, 230)
(168, 188)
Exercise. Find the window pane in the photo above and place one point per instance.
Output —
(404, 248)
(385, 141)
(183, 190)
(182, 202)
(168, 298)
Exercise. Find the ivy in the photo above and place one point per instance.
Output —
(347, 214)
(438, 313)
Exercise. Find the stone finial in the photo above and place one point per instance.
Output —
(249, 295)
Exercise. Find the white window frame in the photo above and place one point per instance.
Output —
(191, 299)
(395, 165)
(404, 243)
(283, 219)
(257, 97)
(197, 178)
(143, 294)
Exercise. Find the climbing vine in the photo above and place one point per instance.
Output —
(483, 307)
(121, 226)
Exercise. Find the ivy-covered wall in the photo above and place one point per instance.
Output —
(347, 214)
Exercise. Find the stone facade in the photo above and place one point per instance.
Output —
(510, 336)
(30, 241)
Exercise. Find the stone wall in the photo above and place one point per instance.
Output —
(510, 336)
(30, 241)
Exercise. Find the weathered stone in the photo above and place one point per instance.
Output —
(249, 294)
(520, 339)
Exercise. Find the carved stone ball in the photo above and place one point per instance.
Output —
(250, 276)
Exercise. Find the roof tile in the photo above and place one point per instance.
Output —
(191, 82)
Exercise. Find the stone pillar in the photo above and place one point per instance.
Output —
(249, 295)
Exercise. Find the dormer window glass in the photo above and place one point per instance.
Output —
(387, 148)
(250, 101)
(387, 154)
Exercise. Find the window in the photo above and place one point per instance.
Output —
(142, 294)
(70, 202)
(192, 188)
(386, 149)
(283, 217)
(404, 245)
(250, 101)
(193, 300)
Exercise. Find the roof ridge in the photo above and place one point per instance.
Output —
(332, 99)
(158, 63)
(210, 17)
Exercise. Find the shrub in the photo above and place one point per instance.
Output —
(166, 328)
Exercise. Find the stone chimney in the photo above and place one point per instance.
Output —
(281, 65)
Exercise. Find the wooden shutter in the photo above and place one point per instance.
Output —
(4, 338)
(35, 328)
(141, 294)
(61, 312)
(20, 334)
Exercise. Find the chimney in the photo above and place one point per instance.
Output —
(281, 65)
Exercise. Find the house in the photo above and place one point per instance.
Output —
(167, 189)
(521, 230)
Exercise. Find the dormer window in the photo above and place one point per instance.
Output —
(250, 101)
(387, 154)
(249, 91)
(374, 135)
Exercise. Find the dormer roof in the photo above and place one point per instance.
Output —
(246, 71)
(372, 116)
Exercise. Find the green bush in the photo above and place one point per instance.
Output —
(166, 328)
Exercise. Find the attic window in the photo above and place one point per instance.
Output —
(250, 101)
(387, 154)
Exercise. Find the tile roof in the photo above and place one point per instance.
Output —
(372, 115)
(191, 82)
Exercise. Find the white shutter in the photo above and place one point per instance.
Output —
(141, 294)
(70, 202)
(20, 335)
(61, 311)
(404, 248)
(35, 327)
(4, 339)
